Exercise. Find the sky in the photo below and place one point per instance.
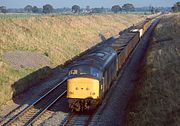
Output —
(84, 3)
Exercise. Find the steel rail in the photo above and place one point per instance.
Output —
(69, 118)
(39, 112)
(43, 111)
(75, 119)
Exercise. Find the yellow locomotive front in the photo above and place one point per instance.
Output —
(83, 88)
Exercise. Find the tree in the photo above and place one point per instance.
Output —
(47, 8)
(176, 7)
(35, 9)
(98, 10)
(128, 7)
(28, 8)
(173, 9)
(75, 9)
(157, 10)
(3, 9)
(152, 9)
(116, 8)
(88, 8)
(102, 9)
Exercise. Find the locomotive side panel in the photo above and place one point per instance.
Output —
(110, 73)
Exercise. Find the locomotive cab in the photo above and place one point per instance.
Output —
(89, 79)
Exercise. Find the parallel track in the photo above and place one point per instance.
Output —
(31, 113)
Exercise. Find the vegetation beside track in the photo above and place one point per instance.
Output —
(156, 98)
(59, 37)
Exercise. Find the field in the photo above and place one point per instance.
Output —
(58, 37)
(156, 98)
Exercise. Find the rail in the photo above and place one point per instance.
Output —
(32, 112)
(74, 119)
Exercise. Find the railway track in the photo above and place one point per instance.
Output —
(74, 119)
(31, 113)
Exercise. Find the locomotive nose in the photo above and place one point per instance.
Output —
(82, 88)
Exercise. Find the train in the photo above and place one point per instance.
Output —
(91, 77)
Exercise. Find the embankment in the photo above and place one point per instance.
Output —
(155, 100)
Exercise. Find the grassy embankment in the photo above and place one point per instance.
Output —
(156, 99)
(58, 37)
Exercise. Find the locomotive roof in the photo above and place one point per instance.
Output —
(100, 58)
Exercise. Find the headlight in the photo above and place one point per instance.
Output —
(93, 93)
(71, 92)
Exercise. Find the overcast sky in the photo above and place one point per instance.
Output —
(84, 3)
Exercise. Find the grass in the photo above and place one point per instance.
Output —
(156, 98)
(58, 37)
(17, 15)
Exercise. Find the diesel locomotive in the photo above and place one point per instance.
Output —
(91, 76)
